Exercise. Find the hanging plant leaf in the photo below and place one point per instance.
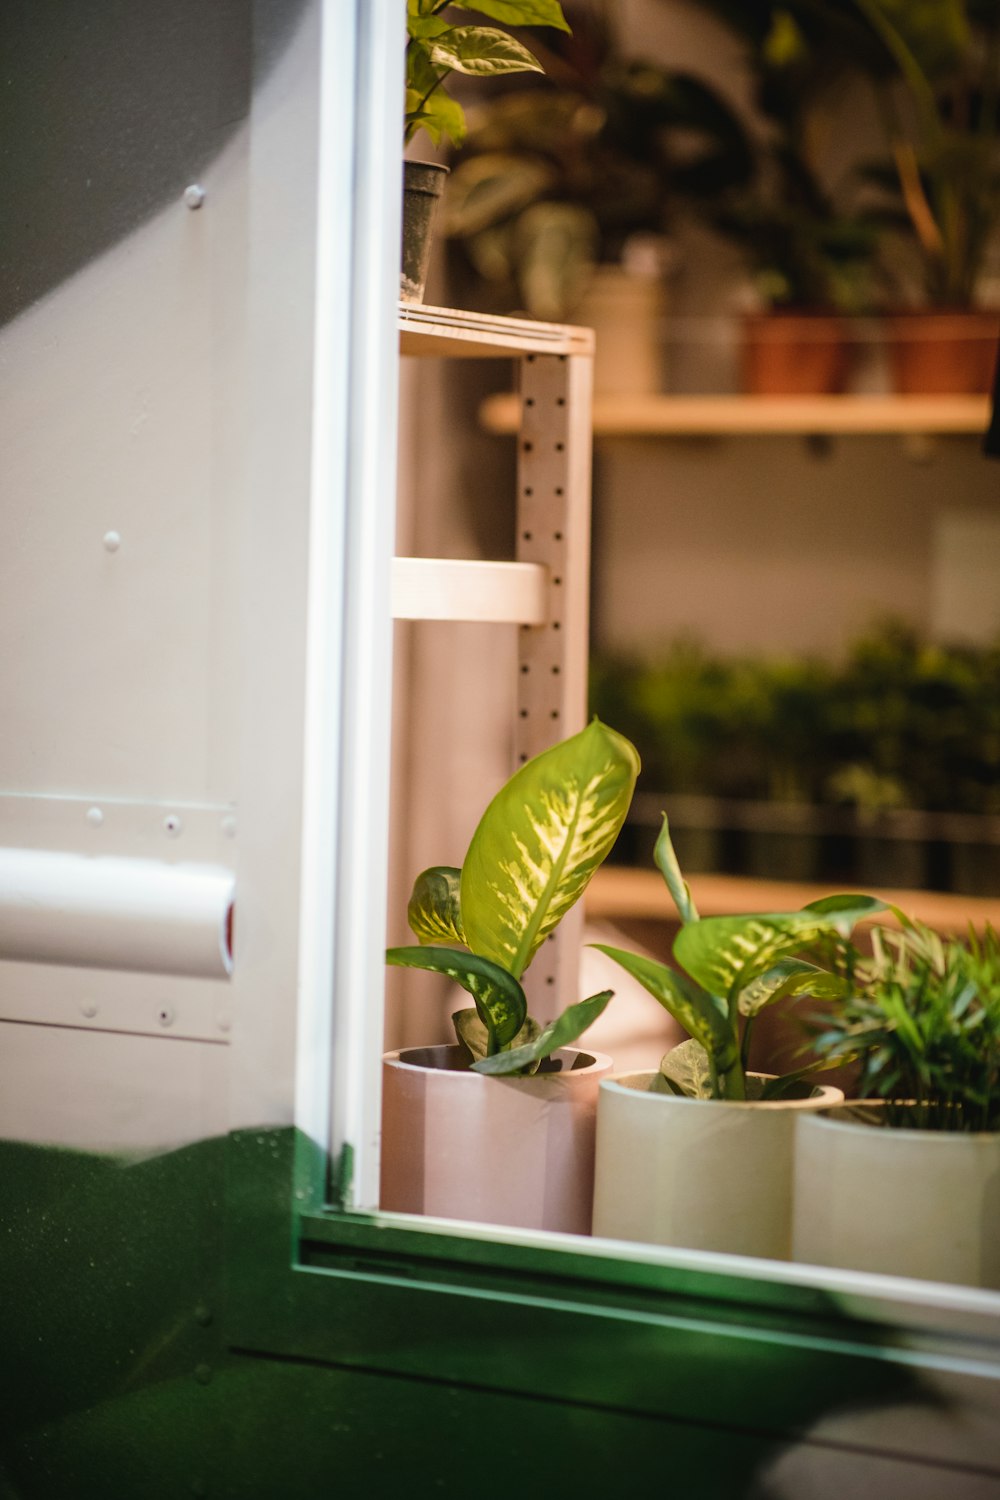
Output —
(499, 998)
(434, 912)
(481, 52)
(519, 12)
(559, 1033)
(541, 839)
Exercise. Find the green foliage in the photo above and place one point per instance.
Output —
(922, 1015)
(555, 178)
(727, 969)
(436, 48)
(899, 722)
(530, 859)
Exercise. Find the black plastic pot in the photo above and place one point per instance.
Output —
(423, 184)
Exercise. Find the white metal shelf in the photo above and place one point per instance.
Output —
(429, 588)
(733, 416)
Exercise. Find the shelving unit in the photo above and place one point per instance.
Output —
(734, 416)
(545, 589)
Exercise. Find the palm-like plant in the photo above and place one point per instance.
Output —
(923, 1017)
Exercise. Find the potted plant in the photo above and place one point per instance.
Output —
(562, 196)
(800, 224)
(500, 1126)
(936, 69)
(909, 1182)
(436, 47)
(700, 1154)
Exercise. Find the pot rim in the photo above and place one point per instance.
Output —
(834, 1119)
(599, 1063)
(825, 1094)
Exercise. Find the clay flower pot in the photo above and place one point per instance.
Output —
(943, 353)
(700, 1174)
(794, 354)
(869, 1197)
(517, 1151)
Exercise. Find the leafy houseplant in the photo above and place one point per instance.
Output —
(709, 1180)
(583, 171)
(530, 859)
(936, 70)
(910, 1181)
(436, 48)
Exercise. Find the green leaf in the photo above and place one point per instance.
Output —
(559, 1033)
(499, 998)
(678, 887)
(724, 954)
(519, 12)
(702, 1014)
(481, 52)
(434, 912)
(442, 117)
(788, 1086)
(688, 1071)
(473, 1036)
(846, 910)
(541, 839)
(788, 979)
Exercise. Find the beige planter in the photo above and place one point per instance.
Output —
(627, 312)
(920, 1203)
(700, 1174)
(517, 1151)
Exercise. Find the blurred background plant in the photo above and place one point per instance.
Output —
(585, 166)
(900, 721)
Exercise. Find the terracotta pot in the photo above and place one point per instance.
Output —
(700, 1174)
(517, 1151)
(423, 184)
(943, 353)
(794, 354)
(920, 1203)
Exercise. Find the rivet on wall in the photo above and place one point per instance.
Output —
(194, 195)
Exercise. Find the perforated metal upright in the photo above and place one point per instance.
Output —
(545, 591)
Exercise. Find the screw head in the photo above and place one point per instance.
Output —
(112, 541)
(194, 195)
(165, 1015)
(172, 825)
(95, 817)
(88, 1008)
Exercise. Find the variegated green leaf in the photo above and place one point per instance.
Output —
(678, 887)
(481, 52)
(846, 910)
(499, 998)
(788, 979)
(724, 954)
(541, 839)
(474, 1037)
(559, 1033)
(434, 912)
(519, 12)
(687, 1069)
(702, 1014)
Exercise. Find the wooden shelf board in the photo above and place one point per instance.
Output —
(447, 331)
(732, 416)
(617, 892)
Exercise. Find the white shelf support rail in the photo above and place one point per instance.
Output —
(553, 531)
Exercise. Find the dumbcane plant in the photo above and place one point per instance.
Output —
(531, 857)
(436, 48)
(729, 969)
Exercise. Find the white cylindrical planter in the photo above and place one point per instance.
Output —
(700, 1174)
(922, 1203)
(516, 1151)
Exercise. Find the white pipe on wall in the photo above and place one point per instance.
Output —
(111, 913)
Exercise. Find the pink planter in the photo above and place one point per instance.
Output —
(516, 1151)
